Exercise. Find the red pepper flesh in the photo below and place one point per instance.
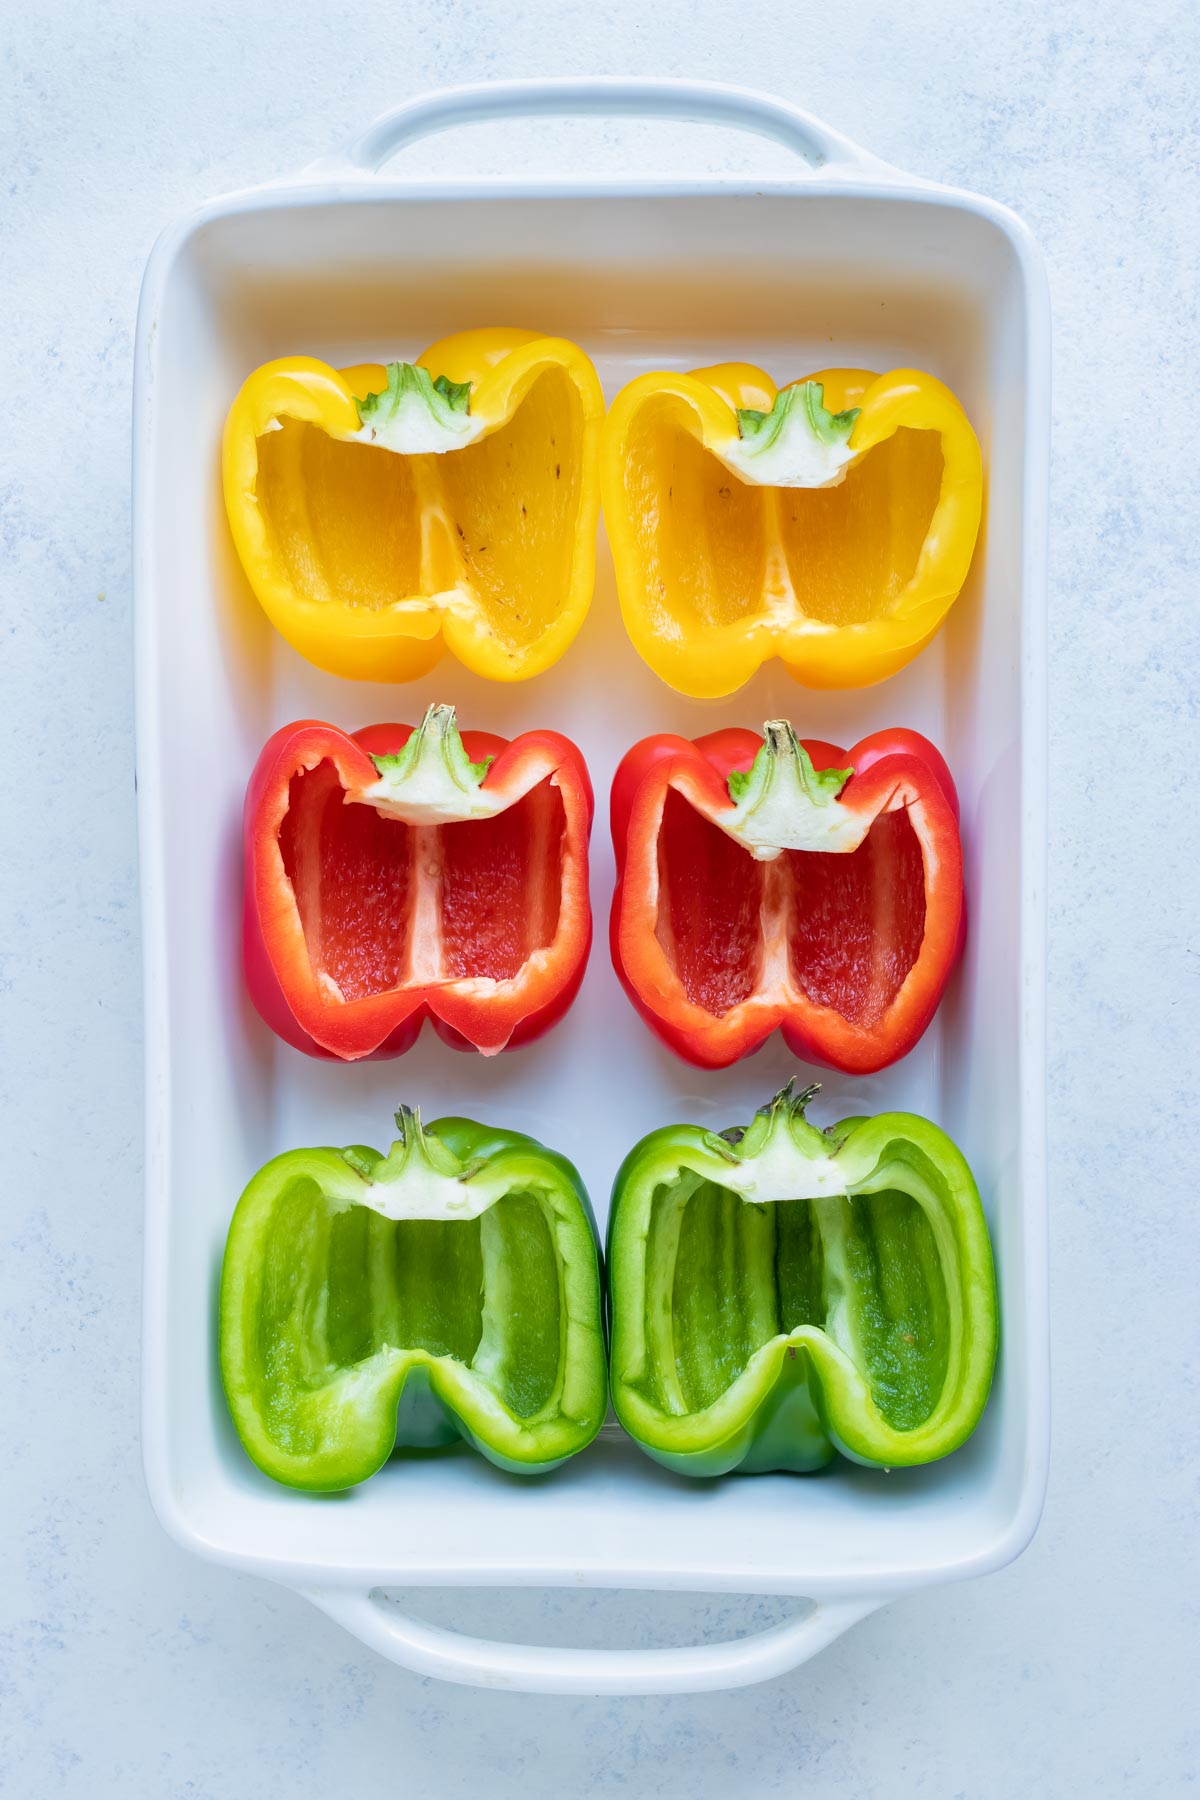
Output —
(399, 874)
(766, 882)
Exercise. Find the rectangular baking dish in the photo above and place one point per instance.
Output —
(848, 262)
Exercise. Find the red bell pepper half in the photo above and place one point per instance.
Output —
(400, 874)
(765, 881)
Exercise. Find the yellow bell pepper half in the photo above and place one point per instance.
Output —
(382, 514)
(830, 523)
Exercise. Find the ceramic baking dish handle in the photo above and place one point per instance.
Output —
(543, 1669)
(707, 102)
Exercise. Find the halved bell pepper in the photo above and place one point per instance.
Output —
(830, 523)
(450, 1289)
(395, 875)
(765, 881)
(777, 1293)
(383, 514)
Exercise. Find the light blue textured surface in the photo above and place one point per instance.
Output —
(127, 1668)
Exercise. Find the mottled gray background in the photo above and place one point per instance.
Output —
(127, 1668)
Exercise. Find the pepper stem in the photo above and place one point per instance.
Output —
(415, 412)
(413, 1151)
(434, 750)
(779, 1156)
(432, 780)
(787, 1100)
(799, 443)
(408, 1124)
(802, 406)
(782, 802)
(784, 1114)
(784, 769)
(421, 1177)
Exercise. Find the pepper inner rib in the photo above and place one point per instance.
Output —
(718, 549)
(726, 1276)
(841, 930)
(386, 906)
(364, 527)
(345, 1289)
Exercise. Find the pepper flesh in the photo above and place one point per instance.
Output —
(717, 570)
(370, 562)
(827, 900)
(449, 1290)
(780, 1293)
(395, 875)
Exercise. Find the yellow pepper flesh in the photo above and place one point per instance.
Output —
(844, 583)
(370, 562)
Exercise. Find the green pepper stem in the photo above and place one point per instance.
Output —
(783, 1115)
(782, 802)
(414, 414)
(432, 780)
(799, 443)
(783, 762)
(413, 1152)
(435, 746)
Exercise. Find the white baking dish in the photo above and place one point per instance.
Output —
(848, 262)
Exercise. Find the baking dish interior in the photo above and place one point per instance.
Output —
(641, 282)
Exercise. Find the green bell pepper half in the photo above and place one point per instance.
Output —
(449, 1289)
(777, 1293)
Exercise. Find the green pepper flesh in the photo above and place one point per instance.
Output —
(792, 1293)
(450, 1290)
